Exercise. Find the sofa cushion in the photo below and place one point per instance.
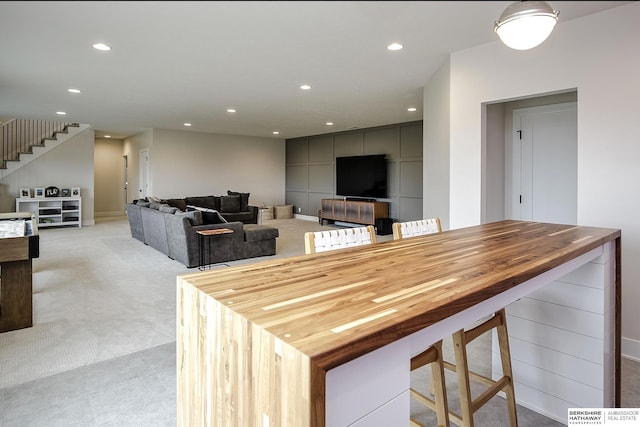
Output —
(256, 233)
(244, 200)
(168, 209)
(203, 202)
(195, 216)
(209, 216)
(177, 203)
(156, 205)
(229, 204)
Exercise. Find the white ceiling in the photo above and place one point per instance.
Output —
(177, 62)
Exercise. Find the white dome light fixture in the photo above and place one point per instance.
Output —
(525, 24)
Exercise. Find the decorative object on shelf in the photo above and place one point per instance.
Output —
(25, 193)
(52, 192)
(65, 192)
(75, 191)
(525, 24)
(39, 192)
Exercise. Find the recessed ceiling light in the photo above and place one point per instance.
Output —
(329, 123)
(411, 109)
(107, 136)
(231, 110)
(187, 124)
(275, 132)
(395, 46)
(74, 90)
(60, 113)
(101, 46)
(305, 87)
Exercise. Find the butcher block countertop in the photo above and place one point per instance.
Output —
(336, 306)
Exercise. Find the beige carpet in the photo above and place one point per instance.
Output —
(98, 294)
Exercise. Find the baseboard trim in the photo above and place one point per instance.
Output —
(631, 349)
(306, 217)
(114, 213)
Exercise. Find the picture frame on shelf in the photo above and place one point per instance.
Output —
(65, 192)
(38, 192)
(75, 191)
(25, 193)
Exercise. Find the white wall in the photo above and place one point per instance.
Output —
(598, 55)
(435, 125)
(187, 163)
(70, 164)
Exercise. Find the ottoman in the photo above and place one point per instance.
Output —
(283, 212)
(259, 240)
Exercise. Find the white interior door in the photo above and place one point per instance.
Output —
(545, 163)
(144, 173)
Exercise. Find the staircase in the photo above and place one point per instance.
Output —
(23, 140)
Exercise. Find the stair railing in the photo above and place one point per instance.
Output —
(18, 136)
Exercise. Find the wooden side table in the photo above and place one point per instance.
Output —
(205, 237)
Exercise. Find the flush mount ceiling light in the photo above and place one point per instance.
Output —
(101, 46)
(411, 109)
(275, 132)
(74, 90)
(231, 110)
(60, 113)
(305, 87)
(187, 124)
(525, 24)
(395, 46)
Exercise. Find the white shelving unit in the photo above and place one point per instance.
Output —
(53, 211)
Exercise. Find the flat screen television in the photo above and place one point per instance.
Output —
(361, 176)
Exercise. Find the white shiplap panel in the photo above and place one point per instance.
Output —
(590, 274)
(578, 321)
(571, 295)
(587, 348)
(576, 393)
(390, 414)
(542, 403)
(558, 363)
(351, 389)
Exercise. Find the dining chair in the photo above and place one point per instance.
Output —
(416, 228)
(461, 338)
(322, 241)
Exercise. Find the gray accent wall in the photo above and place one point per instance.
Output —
(310, 166)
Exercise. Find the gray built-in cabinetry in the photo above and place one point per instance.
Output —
(310, 162)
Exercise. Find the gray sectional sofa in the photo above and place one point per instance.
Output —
(173, 232)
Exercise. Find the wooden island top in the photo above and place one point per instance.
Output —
(331, 308)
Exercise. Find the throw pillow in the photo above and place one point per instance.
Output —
(178, 203)
(167, 209)
(244, 199)
(202, 201)
(155, 205)
(142, 203)
(229, 204)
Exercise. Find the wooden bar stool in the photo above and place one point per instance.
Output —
(433, 356)
(469, 406)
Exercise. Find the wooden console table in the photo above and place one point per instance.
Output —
(354, 211)
(16, 252)
(326, 339)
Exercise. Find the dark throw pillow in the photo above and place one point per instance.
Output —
(244, 200)
(229, 204)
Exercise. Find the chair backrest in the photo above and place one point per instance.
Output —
(322, 241)
(402, 230)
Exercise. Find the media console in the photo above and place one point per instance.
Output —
(354, 211)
